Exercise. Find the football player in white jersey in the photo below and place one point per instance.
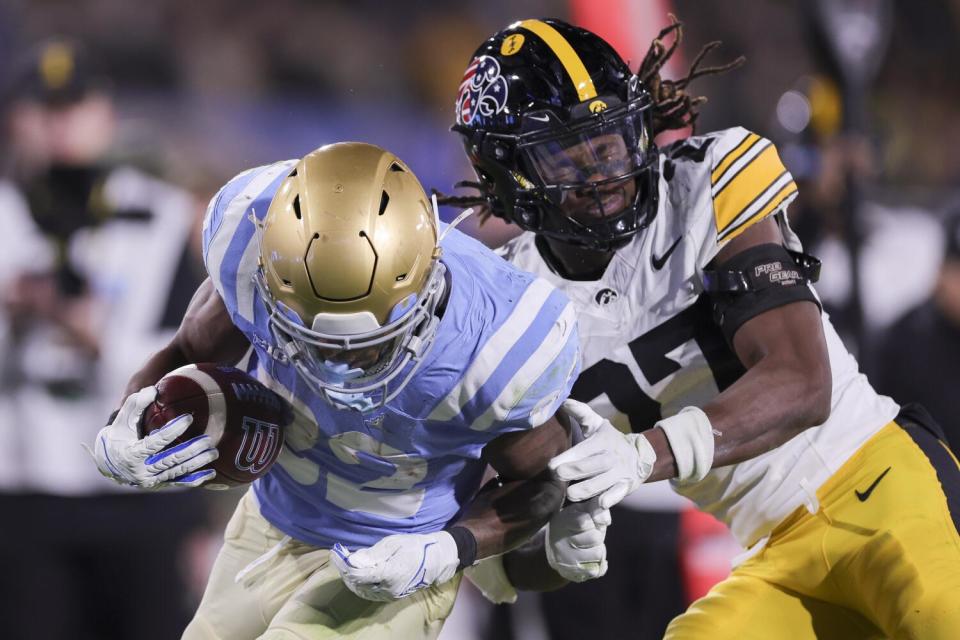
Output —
(701, 330)
(412, 356)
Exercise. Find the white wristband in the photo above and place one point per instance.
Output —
(690, 435)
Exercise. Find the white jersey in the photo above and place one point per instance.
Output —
(651, 347)
(129, 264)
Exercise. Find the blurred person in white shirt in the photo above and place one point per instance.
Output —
(86, 246)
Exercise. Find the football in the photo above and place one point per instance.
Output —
(244, 419)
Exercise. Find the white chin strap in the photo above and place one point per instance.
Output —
(466, 213)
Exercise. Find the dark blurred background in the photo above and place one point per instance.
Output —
(121, 119)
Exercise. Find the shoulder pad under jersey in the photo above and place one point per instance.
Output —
(229, 240)
(527, 355)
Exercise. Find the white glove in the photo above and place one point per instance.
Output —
(397, 565)
(146, 462)
(575, 537)
(611, 464)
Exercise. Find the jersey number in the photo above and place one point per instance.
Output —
(650, 352)
(391, 495)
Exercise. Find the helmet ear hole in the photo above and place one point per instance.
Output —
(495, 149)
(384, 201)
(296, 207)
(528, 216)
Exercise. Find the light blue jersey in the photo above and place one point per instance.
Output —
(504, 358)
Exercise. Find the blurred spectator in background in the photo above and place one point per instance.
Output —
(90, 253)
(919, 357)
(821, 158)
(204, 85)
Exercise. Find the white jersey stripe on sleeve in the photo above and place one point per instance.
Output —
(542, 359)
(500, 343)
(735, 151)
(734, 169)
(759, 202)
(248, 262)
(233, 216)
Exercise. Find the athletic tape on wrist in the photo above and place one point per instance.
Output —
(690, 435)
(646, 456)
(466, 546)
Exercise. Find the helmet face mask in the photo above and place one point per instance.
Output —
(591, 176)
(572, 165)
(342, 366)
(349, 274)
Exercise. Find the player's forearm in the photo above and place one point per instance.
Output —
(159, 364)
(773, 402)
(786, 389)
(504, 515)
(206, 334)
(665, 466)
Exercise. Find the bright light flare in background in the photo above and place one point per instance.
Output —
(793, 111)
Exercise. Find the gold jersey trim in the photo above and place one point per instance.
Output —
(748, 184)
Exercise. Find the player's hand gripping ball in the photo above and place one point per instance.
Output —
(243, 418)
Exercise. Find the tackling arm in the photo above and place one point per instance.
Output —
(786, 389)
(502, 515)
(513, 507)
(787, 386)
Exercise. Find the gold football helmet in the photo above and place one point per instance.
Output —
(349, 272)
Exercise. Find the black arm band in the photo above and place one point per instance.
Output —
(466, 546)
(756, 280)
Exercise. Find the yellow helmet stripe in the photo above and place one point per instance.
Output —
(568, 57)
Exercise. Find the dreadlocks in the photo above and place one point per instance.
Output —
(673, 107)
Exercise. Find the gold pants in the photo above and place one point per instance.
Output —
(880, 559)
(288, 590)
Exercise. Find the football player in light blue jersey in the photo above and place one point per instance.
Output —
(412, 356)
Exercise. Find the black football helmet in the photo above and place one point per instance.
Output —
(558, 129)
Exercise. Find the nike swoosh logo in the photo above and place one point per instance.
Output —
(662, 260)
(866, 494)
(543, 118)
